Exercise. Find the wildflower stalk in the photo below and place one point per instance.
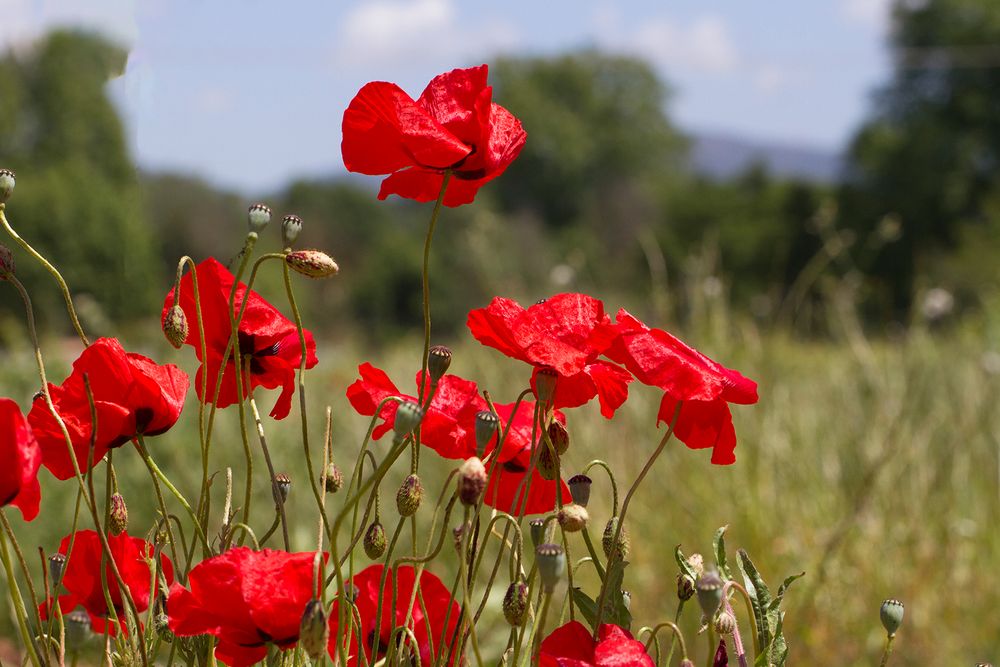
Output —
(155, 470)
(279, 503)
(611, 476)
(887, 651)
(749, 607)
(15, 596)
(673, 640)
(158, 492)
(676, 635)
(32, 595)
(425, 280)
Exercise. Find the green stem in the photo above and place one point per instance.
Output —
(15, 596)
(140, 445)
(426, 281)
(677, 619)
(888, 649)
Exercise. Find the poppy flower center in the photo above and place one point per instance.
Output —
(513, 466)
(248, 349)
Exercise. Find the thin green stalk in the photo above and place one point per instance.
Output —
(888, 649)
(140, 445)
(279, 502)
(425, 279)
(19, 611)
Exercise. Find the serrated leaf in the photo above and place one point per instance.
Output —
(720, 553)
(747, 567)
(783, 589)
(586, 606)
(683, 564)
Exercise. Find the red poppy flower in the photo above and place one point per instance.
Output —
(706, 387)
(132, 395)
(265, 336)
(566, 334)
(82, 577)
(453, 125)
(246, 599)
(572, 645)
(430, 631)
(21, 458)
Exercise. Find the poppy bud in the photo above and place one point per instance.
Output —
(545, 384)
(438, 361)
(333, 479)
(558, 436)
(57, 565)
(6, 184)
(258, 216)
(314, 631)
(471, 481)
(551, 560)
(685, 586)
(487, 424)
(312, 263)
(607, 540)
(374, 541)
(548, 463)
(408, 417)
(77, 629)
(291, 225)
(891, 615)
(458, 534)
(725, 623)
(175, 326)
(282, 485)
(572, 518)
(6, 262)
(579, 488)
(161, 624)
(408, 498)
(709, 589)
(118, 516)
(537, 528)
(515, 604)
(686, 663)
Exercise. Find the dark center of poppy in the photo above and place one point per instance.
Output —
(514, 466)
(143, 416)
(377, 645)
(248, 349)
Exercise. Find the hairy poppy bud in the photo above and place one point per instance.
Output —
(282, 485)
(258, 216)
(77, 629)
(725, 623)
(438, 361)
(118, 516)
(545, 384)
(333, 479)
(312, 263)
(515, 604)
(685, 586)
(314, 631)
(57, 565)
(548, 463)
(709, 589)
(6, 262)
(374, 541)
(558, 436)
(161, 624)
(572, 518)
(175, 326)
(409, 495)
(291, 225)
(537, 528)
(551, 560)
(487, 424)
(6, 184)
(471, 481)
(891, 615)
(408, 417)
(607, 540)
(579, 488)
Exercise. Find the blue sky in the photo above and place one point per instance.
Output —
(250, 93)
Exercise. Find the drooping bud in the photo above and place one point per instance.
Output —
(537, 529)
(471, 481)
(608, 538)
(77, 629)
(685, 586)
(291, 225)
(175, 326)
(515, 604)
(57, 565)
(374, 541)
(118, 516)
(579, 488)
(725, 623)
(548, 463)
(558, 436)
(572, 518)
(438, 361)
(6, 184)
(551, 560)
(709, 589)
(545, 384)
(408, 417)
(409, 495)
(6, 262)
(487, 424)
(891, 615)
(314, 631)
(333, 479)
(312, 263)
(258, 216)
(282, 485)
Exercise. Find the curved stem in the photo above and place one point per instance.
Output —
(749, 607)
(426, 281)
(614, 484)
(154, 469)
(677, 636)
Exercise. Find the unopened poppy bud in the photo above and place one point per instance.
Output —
(537, 530)
(697, 563)
(77, 629)
(291, 225)
(487, 424)
(6, 184)
(409, 495)
(57, 565)
(175, 326)
(572, 518)
(438, 361)
(725, 623)
(282, 485)
(558, 436)
(6, 262)
(709, 589)
(579, 488)
(161, 624)
(118, 516)
(548, 463)
(333, 479)
(408, 417)
(551, 560)
(374, 541)
(608, 538)
(458, 534)
(471, 481)
(685, 587)
(258, 216)
(314, 631)
(545, 384)
(515, 604)
(312, 263)
(891, 615)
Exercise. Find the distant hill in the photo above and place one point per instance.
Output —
(721, 156)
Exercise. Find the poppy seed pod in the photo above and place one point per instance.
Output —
(685, 586)
(333, 479)
(77, 629)
(548, 463)
(545, 384)
(314, 631)
(709, 589)
(579, 488)
(607, 539)
(515, 604)
(471, 481)
(312, 263)
(408, 418)
(409, 495)
(7, 182)
(175, 326)
(118, 516)
(282, 485)
(438, 361)
(258, 216)
(487, 424)
(291, 225)
(57, 565)
(537, 529)
(551, 560)
(891, 615)
(374, 541)
(572, 518)
(725, 623)
(558, 436)
(6, 262)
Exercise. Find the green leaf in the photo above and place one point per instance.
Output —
(614, 605)
(683, 564)
(720, 553)
(776, 602)
(586, 606)
(760, 596)
(779, 649)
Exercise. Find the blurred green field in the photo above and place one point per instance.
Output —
(873, 466)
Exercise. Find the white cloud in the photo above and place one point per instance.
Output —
(25, 20)
(703, 46)
(870, 13)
